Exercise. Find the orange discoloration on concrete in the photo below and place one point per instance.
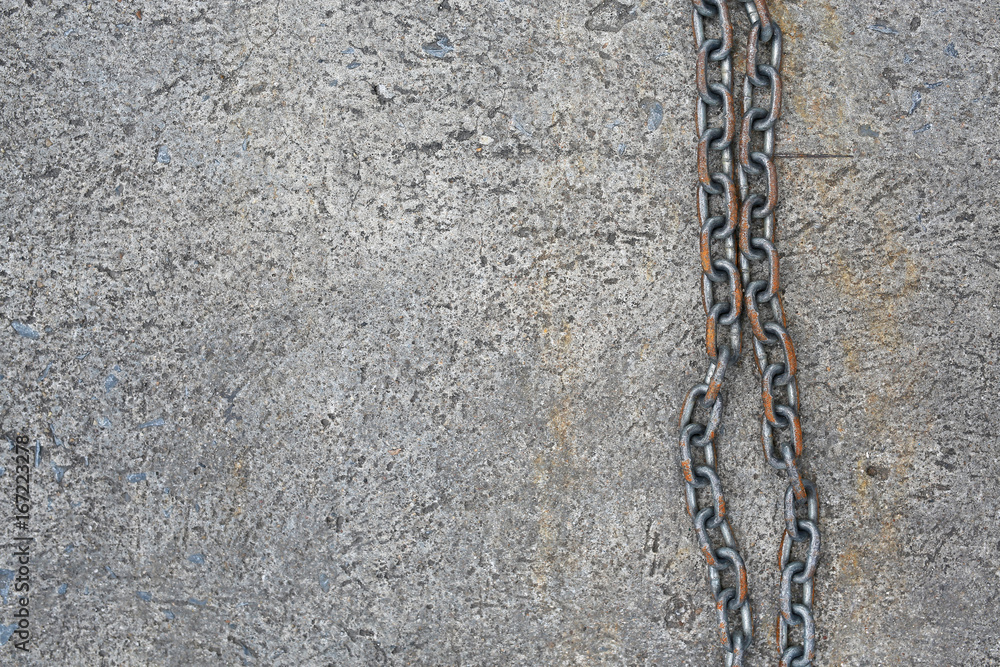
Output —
(554, 466)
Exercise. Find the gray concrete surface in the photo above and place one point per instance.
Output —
(406, 297)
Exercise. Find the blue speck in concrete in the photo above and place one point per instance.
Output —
(6, 631)
(104, 422)
(70, 548)
(136, 477)
(24, 330)
(951, 50)
(922, 129)
(354, 65)
(348, 51)
(163, 155)
(45, 373)
(885, 30)
(6, 576)
(2, 471)
(200, 603)
(156, 422)
(915, 100)
(62, 589)
(60, 471)
(655, 117)
(867, 131)
(145, 596)
(110, 383)
(654, 113)
(324, 583)
(169, 614)
(111, 573)
(87, 353)
(440, 48)
(520, 127)
(197, 559)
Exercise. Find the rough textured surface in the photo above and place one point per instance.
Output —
(406, 297)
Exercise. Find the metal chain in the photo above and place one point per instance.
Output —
(781, 431)
(752, 254)
(722, 297)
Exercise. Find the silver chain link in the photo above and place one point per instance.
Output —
(740, 264)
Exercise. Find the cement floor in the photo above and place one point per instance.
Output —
(354, 333)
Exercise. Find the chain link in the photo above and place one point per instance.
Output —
(740, 269)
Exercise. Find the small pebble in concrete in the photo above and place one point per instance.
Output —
(610, 16)
(654, 113)
(439, 48)
(25, 330)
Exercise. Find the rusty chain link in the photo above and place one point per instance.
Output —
(739, 264)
